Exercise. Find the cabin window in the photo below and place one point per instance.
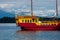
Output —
(28, 21)
(23, 21)
(33, 20)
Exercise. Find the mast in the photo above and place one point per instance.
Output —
(57, 8)
(31, 8)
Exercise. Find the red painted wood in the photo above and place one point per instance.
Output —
(34, 27)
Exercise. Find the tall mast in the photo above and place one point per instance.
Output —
(31, 8)
(56, 8)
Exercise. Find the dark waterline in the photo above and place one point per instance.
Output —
(11, 32)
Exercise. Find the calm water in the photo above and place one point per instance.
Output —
(11, 32)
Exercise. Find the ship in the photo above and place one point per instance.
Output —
(33, 23)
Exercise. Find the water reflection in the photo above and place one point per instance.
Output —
(26, 35)
(37, 35)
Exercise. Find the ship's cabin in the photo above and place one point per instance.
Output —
(28, 19)
(33, 19)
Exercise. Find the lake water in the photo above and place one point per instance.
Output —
(11, 32)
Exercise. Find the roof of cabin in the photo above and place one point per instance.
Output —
(27, 17)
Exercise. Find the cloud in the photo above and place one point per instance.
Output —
(58, 7)
(22, 5)
(6, 5)
(25, 4)
(41, 7)
(46, 3)
(44, 13)
(51, 11)
(11, 7)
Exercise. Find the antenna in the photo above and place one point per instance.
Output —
(31, 8)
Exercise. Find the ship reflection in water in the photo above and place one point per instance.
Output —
(14, 33)
(38, 35)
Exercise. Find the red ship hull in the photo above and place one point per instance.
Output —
(34, 27)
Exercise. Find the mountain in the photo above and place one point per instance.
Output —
(10, 14)
(6, 14)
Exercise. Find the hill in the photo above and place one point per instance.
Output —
(6, 14)
(7, 20)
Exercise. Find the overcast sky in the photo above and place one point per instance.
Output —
(40, 7)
